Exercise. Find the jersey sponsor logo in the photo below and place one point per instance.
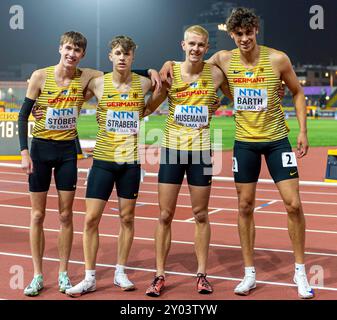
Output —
(249, 80)
(51, 92)
(61, 119)
(191, 116)
(122, 122)
(194, 85)
(248, 99)
(236, 71)
(64, 92)
(184, 94)
(124, 96)
(249, 74)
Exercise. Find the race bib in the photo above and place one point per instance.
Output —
(61, 119)
(122, 122)
(289, 159)
(191, 116)
(248, 99)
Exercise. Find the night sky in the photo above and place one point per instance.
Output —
(156, 26)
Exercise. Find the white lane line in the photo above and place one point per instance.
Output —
(265, 205)
(186, 194)
(284, 284)
(215, 245)
(184, 185)
(191, 221)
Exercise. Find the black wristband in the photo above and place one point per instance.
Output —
(25, 111)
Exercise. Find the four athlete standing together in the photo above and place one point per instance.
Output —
(250, 75)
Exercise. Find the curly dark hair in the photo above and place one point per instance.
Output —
(242, 18)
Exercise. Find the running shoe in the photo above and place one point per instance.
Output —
(156, 287)
(245, 286)
(121, 280)
(303, 287)
(34, 288)
(203, 286)
(64, 282)
(81, 288)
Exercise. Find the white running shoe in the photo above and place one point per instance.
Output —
(303, 287)
(121, 280)
(83, 287)
(243, 288)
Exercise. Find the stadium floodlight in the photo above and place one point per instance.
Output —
(10, 91)
(222, 27)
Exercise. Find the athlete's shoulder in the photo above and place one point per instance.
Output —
(90, 73)
(225, 54)
(38, 76)
(277, 56)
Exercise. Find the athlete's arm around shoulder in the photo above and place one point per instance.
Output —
(221, 59)
(95, 88)
(86, 76)
(283, 67)
(157, 97)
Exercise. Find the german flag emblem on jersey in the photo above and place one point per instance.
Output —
(73, 90)
(135, 95)
(204, 83)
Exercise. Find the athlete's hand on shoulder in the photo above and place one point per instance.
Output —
(37, 113)
(155, 79)
(26, 162)
(166, 72)
(302, 145)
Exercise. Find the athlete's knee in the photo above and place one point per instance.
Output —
(246, 207)
(166, 217)
(200, 214)
(127, 218)
(66, 217)
(37, 216)
(91, 221)
(293, 207)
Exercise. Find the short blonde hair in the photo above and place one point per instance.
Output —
(196, 29)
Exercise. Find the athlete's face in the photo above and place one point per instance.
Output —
(195, 47)
(120, 59)
(71, 54)
(245, 39)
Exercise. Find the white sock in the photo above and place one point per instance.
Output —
(90, 275)
(119, 268)
(299, 268)
(250, 271)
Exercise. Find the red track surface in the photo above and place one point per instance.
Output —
(274, 259)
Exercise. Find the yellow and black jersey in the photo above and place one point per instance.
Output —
(119, 116)
(190, 112)
(61, 107)
(258, 111)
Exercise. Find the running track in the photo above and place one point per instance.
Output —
(274, 259)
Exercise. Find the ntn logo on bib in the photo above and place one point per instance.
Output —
(191, 116)
(250, 99)
(61, 119)
(122, 122)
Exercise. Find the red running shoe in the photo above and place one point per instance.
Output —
(156, 287)
(203, 286)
